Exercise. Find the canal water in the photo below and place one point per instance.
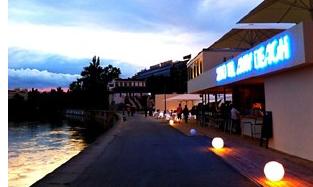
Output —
(37, 148)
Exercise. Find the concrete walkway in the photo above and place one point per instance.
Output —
(248, 158)
(144, 152)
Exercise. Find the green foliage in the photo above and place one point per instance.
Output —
(88, 92)
(38, 106)
(91, 89)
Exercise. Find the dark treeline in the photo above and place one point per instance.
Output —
(88, 92)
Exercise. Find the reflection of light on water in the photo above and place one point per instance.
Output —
(27, 168)
(31, 160)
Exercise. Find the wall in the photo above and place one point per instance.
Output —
(159, 102)
(170, 105)
(199, 83)
(210, 60)
(308, 42)
(289, 95)
(213, 58)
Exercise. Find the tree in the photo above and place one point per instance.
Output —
(92, 86)
(110, 73)
(75, 86)
(91, 75)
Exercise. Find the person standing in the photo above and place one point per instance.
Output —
(146, 111)
(235, 118)
(179, 111)
(186, 113)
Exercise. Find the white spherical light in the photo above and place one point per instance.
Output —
(171, 122)
(193, 132)
(274, 171)
(218, 143)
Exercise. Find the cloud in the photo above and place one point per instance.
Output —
(33, 78)
(134, 15)
(132, 31)
(225, 7)
(121, 15)
(22, 59)
(57, 38)
(222, 15)
(142, 49)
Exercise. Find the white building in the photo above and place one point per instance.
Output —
(278, 71)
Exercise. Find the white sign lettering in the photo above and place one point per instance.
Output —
(271, 53)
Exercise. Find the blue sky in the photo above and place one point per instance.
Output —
(51, 41)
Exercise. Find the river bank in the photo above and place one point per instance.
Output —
(37, 148)
(71, 169)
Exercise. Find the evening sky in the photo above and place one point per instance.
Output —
(51, 41)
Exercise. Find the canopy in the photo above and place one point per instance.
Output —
(244, 39)
(280, 11)
(185, 97)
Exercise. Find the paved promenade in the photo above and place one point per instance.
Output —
(144, 152)
(245, 154)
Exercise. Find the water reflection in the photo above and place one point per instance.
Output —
(36, 149)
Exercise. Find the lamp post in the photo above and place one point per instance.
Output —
(164, 101)
(165, 97)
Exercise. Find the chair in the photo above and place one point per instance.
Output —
(252, 127)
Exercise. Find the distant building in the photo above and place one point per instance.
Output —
(18, 91)
(128, 86)
(166, 77)
(161, 69)
(128, 91)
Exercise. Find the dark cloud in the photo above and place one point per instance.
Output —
(135, 15)
(30, 69)
(33, 78)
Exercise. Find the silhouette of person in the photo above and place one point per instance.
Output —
(179, 111)
(186, 113)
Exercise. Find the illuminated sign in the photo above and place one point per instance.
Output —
(262, 57)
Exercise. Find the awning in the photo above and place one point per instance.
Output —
(280, 11)
(185, 97)
(243, 39)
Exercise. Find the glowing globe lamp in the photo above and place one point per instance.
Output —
(274, 171)
(193, 132)
(171, 122)
(218, 143)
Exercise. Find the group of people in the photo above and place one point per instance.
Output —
(184, 111)
(229, 111)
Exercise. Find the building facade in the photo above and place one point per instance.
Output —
(128, 91)
(276, 73)
(166, 77)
